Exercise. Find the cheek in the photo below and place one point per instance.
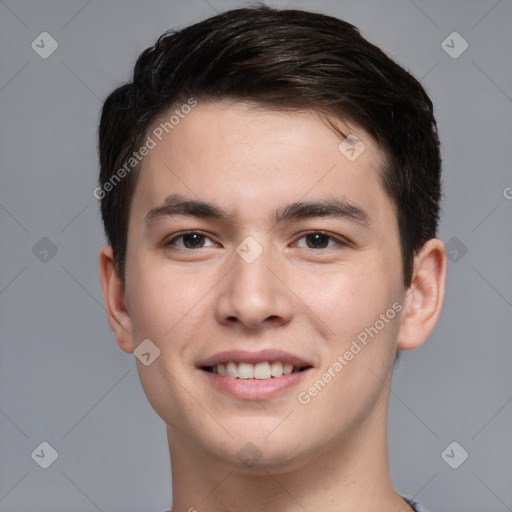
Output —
(348, 299)
(163, 311)
(160, 298)
(359, 359)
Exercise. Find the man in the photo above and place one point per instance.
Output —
(270, 186)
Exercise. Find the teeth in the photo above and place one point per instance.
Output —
(276, 369)
(287, 368)
(259, 371)
(262, 371)
(245, 371)
(231, 370)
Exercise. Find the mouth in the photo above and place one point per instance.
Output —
(260, 371)
(249, 375)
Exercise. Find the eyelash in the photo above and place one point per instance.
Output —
(337, 241)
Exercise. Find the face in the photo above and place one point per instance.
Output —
(258, 278)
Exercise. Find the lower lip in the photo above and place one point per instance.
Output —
(254, 389)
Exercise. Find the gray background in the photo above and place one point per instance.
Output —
(62, 377)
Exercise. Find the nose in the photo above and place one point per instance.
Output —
(254, 294)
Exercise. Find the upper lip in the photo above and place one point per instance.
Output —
(245, 356)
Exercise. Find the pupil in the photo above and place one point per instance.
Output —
(317, 239)
(192, 239)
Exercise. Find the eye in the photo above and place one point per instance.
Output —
(320, 240)
(191, 240)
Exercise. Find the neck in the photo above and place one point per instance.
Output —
(347, 474)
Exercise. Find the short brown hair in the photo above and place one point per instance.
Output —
(286, 60)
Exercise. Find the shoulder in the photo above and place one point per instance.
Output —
(414, 504)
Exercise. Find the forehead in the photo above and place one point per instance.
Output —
(247, 158)
(242, 125)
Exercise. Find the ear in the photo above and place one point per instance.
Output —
(114, 296)
(424, 297)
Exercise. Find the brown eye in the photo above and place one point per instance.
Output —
(190, 240)
(319, 240)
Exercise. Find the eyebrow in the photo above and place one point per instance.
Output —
(176, 204)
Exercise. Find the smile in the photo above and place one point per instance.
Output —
(261, 371)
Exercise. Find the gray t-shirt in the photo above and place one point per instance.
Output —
(414, 504)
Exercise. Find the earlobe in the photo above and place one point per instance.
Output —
(424, 298)
(114, 296)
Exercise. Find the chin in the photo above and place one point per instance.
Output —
(253, 454)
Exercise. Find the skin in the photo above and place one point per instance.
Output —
(193, 302)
